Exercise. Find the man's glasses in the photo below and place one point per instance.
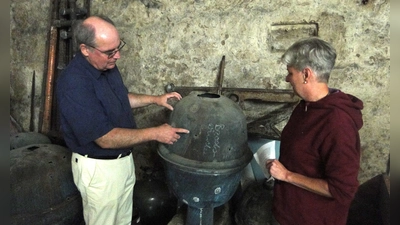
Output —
(110, 53)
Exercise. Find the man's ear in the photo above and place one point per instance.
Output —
(84, 50)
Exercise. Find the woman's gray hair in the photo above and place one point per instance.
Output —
(314, 53)
(84, 33)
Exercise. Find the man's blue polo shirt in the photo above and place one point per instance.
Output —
(91, 103)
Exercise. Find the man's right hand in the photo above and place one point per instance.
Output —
(168, 135)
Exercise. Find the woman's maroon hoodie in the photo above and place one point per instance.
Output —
(320, 140)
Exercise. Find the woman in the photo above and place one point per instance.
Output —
(316, 174)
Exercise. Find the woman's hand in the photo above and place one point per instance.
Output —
(277, 169)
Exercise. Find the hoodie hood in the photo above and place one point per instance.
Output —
(337, 100)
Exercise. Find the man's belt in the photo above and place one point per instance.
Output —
(107, 156)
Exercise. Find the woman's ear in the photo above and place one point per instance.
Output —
(308, 73)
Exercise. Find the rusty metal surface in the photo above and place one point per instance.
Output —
(60, 52)
(240, 94)
(271, 124)
(48, 97)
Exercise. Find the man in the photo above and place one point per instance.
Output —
(316, 175)
(98, 124)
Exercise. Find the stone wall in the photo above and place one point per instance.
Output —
(182, 42)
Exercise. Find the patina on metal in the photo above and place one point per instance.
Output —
(23, 139)
(264, 109)
(204, 167)
(275, 105)
(42, 188)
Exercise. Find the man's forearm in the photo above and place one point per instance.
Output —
(124, 138)
(139, 100)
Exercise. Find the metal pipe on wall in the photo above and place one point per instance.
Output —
(51, 65)
(48, 98)
(60, 53)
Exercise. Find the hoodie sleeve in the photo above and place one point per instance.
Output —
(341, 155)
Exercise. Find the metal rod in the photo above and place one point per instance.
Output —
(220, 77)
(49, 81)
(31, 122)
(199, 216)
(15, 125)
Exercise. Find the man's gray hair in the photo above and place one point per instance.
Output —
(85, 33)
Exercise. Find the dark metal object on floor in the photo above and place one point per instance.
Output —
(254, 206)
(153, 203)
(203, 168)
(42, 187)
